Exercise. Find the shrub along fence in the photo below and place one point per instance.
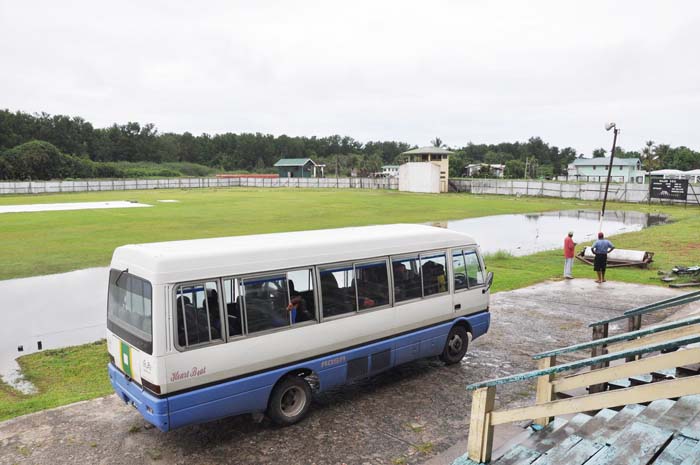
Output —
(44, 187)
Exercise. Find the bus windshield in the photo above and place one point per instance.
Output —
(129, 309)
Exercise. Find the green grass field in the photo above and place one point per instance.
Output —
(50, 242)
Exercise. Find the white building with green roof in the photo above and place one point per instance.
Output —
(299, 168)
(596, 170)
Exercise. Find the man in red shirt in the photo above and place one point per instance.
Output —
(569, 246)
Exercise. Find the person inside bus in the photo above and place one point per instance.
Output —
(214, 315)
(298, 309)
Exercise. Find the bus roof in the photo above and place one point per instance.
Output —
(180, 261)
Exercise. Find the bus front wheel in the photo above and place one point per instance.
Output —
(290, 401)
(455, 346)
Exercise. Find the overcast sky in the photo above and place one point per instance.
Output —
(480, 71)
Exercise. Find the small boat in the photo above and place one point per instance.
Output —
(619, 257)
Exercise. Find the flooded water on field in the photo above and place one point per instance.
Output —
(56, 310)
(70, 308)
(534, 232)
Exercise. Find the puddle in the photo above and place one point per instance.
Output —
(57, 310)
(69, 308)
(45, 207)
(525, 234)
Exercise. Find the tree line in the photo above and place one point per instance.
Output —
(44, 146)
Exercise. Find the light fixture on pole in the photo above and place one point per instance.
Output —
(616, 130)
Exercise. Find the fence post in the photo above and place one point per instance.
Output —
(480, 428)
(545, 388)
(599, 332)
(634, 323)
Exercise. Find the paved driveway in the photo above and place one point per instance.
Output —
(411, 414)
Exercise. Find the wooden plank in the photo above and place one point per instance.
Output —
(692, 429)
(559, 450)
(518, 455)
(655, 338)
(597, 423)
(546, 439)
(682, 412)
(464, 460)
(634, 395)
(655, 410)
(480, 440)
(617, 425)
(545, 390)
(579, 453)
(678, 450)
(693, 456)
(646, 365)
(619, 337)
(638, 445)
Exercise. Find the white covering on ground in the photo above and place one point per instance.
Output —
(43, 207)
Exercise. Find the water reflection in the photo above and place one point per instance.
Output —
(534, 232)
(57, 310)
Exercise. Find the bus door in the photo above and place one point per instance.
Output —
(469, 281)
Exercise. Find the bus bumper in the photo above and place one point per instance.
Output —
(153, 409)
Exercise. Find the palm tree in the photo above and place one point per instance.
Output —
(437, 142)
(650, 159)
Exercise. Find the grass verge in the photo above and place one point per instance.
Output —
(62, 376)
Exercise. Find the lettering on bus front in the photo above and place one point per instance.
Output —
(193, 373)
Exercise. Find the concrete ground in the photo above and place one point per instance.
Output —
(416, 413)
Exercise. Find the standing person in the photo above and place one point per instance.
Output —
(569, 246)
(601, 248)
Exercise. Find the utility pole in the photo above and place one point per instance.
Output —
(608, 127)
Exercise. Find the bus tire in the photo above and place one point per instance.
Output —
(455, 346)
(290, 401)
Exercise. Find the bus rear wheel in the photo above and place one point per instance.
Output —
(290, 401)
(455, 346)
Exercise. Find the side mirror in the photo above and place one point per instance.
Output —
(489, 282)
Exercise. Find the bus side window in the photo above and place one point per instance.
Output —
(407, 278)
(474, 272)
(198, 313)
(434, 270)
(459, 270)
(338, 290)
(266, 303)
(301, 294)
(232, 300)
(372, 284)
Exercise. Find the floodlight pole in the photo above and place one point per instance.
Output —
(607, 183)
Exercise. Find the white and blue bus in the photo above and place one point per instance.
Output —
(210, 328)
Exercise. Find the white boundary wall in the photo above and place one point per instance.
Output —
(618, 192)
(43, 187)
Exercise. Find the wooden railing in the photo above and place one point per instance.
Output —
(628, 346)
(601, 329)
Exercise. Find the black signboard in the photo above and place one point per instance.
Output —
(669, 189)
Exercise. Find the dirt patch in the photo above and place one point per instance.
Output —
(408, 415)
